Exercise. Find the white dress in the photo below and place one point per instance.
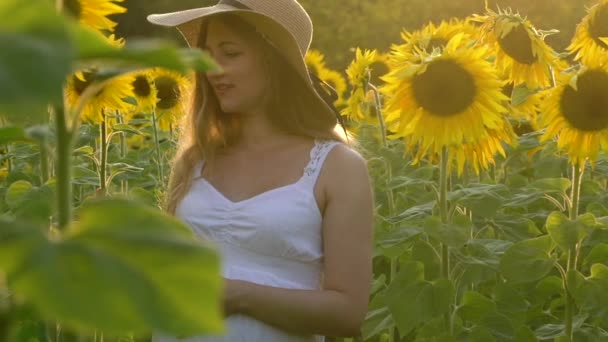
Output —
(273, 238)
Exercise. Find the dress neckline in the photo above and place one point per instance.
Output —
(262, 194)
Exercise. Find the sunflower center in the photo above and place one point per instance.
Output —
(168, 92)
(445, 88)
(587, 108)
(73, 8)
(598, 27)
(79, 85)
(518, 45)
(141, 86)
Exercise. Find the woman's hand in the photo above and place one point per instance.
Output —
(234, 291)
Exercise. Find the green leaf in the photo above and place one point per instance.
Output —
(423, 252)
(412, 300)
(378, 318)
(124, 267)
(590, 293)
(86, 150)
(528, 260)
(17, 241)
(93, 48)
(567, 233)
(500, 325)
(12, 134)
(509, 301)
(143, 196)
(550, 331)
(126, 128)
(84, 176)
(37, 205)
(454, 235)
(481, 334)
(124, 167)
(552, 185)
(525, 334)
(37, 55)
(15, 195)
(548, 287)
(475, 306)
(599, 254)
(482, 199)
(520, 94)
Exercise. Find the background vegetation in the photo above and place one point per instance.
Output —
(342, 25)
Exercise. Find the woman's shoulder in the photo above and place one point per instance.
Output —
(345, 166)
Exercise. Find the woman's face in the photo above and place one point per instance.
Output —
(241, 85)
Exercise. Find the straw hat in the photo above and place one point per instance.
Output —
(283, 23)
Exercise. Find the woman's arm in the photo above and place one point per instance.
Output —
(340, 307)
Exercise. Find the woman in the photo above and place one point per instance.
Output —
(262, 173)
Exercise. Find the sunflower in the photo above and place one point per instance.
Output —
(114, 41)
(358, 105)
(171, 92)
(480, 155)
(316, 62)
(522, 55)
(590, 42)
(110, 96)
(144, 91)
(432, 37)
(471, 106)
(94, 13)
(136, 142)
(576, 111)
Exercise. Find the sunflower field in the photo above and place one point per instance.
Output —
(488, 151)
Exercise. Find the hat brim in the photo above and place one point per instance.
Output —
(189, 22)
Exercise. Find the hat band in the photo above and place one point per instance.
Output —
(234, 3)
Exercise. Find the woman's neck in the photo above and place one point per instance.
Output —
(258, 133)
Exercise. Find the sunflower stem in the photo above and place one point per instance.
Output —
(577, 175)
(64, 186)
(123, 150)
(103, 138)
(159, 165)
(123, 142)
(63, 168)
(389, 192)
(443, 209)
(9, 162)
(443, 214)
(44, 162)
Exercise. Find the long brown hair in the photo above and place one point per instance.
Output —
(292, 107)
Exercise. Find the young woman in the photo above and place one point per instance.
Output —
(263, 174)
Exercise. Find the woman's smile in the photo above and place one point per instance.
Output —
(222, 88)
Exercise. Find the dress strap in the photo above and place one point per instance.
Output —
(318, 154)
(196, 172)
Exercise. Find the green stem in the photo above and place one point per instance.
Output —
(44, 162)
(443, 209)
(443, 214)
(123, 140)
(123, 151)
(103, 138)
(577, 175)
(389, 192)
(9, 162)
(63, 176)
(64, 169)
(159, 161)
